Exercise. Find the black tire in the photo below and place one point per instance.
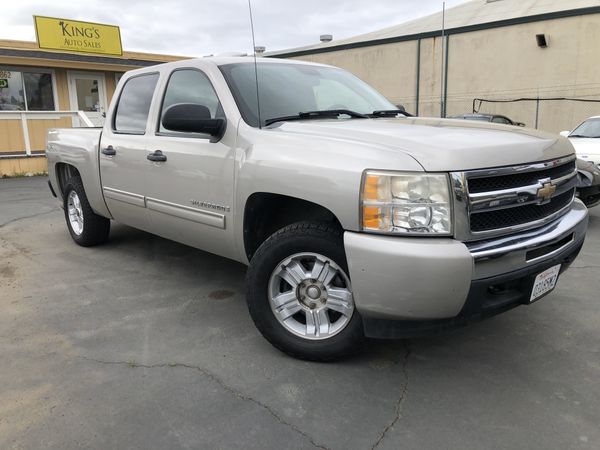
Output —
(95, 228)
(321, 238)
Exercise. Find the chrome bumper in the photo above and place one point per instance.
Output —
(429, 278)
(502, 255)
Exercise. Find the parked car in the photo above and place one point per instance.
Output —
(354, 219)
(494, 118)
(588, 189)
(586, 140)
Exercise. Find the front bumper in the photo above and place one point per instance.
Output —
(406, 280)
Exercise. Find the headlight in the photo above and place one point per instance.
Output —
(410, 203)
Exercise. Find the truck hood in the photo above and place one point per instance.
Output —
(436, 144)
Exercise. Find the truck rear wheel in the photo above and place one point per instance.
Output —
(300, 296)
(85, 226)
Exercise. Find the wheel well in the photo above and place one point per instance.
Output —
(63, 173)
(265, 213)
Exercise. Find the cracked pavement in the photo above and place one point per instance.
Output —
(144, 343)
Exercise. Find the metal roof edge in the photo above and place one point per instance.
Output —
(40, 54)
(435, 33)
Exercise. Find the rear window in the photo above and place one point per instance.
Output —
(134, 104)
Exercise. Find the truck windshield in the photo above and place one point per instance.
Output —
(289, 89)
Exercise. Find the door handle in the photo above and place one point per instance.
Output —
(157, 156)
(109, 151)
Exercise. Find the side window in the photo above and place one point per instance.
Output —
(134, 104)
(190, 86)
(498, 119)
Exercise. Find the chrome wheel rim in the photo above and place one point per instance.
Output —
(75, 213)
(311, 296)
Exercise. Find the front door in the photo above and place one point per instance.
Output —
(189, 195)
(87, 93)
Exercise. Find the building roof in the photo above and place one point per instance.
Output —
(465, 17)
(28, 52)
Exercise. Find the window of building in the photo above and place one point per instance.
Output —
(26, 90)
(134, 104)
(38, 91)
(190, 86)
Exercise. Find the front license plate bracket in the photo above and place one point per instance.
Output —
(544, 283)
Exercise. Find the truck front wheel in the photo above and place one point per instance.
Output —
(300, 296)
(85, 226)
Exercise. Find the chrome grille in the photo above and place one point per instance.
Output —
(494, 183)
(490, 220)
(493, 202)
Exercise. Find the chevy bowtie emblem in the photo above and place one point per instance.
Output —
(546, 192)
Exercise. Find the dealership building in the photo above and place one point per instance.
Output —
(43, 88)
(535, 61)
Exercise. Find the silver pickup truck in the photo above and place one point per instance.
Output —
(355, 219)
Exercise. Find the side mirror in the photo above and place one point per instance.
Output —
(401, 108)
(193, 118)
(565, 133)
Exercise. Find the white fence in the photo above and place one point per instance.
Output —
(79, 118)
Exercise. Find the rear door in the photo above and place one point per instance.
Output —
(123, 152)
(189, 195)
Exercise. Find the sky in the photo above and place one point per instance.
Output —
(202, 27)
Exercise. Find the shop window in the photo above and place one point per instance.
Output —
(11, 91)
(88, 97)
(38, 90)
(26, 91)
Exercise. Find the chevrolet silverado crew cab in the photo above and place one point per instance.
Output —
(355, 220)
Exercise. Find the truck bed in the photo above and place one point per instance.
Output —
(79, 148)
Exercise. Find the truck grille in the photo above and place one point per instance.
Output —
(506, 199)
(519, 215)
(477, 185)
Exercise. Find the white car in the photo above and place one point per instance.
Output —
(586, 140)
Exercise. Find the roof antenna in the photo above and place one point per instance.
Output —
(255, 65)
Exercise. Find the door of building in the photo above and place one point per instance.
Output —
(87, 93)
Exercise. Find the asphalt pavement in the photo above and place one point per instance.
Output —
(145, 343)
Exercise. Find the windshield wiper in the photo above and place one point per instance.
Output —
(317, 115)
(389, 113)
(583, 136)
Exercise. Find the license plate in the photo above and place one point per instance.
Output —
(544, 283)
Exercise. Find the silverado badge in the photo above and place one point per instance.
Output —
(209, 205)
